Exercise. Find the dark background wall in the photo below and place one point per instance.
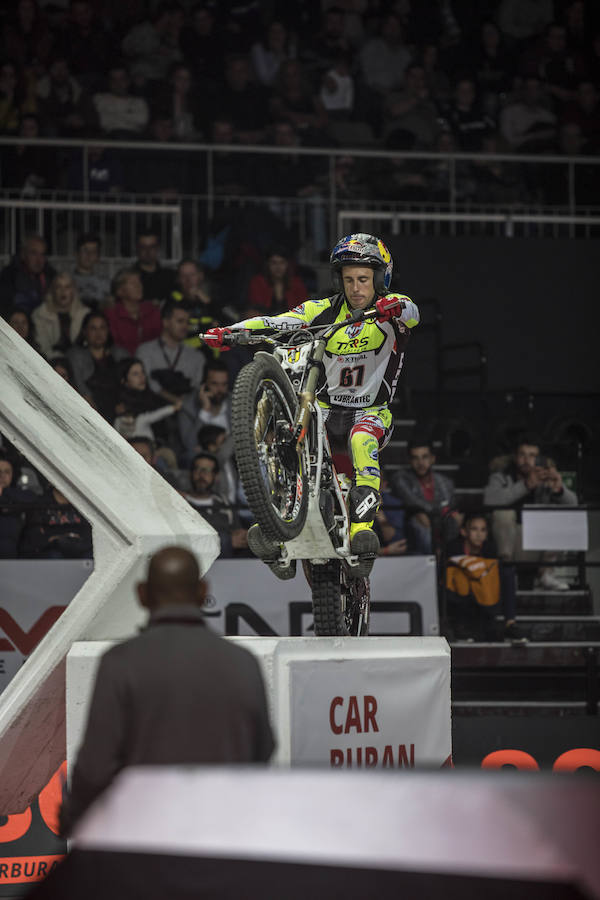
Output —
(532, 303)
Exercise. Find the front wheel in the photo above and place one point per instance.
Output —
(341, 604)
(272, 471)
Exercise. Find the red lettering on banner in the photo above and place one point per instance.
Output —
(577, 759)
(16, 826)
(517, 758)
(353, 718)
(25, 641)
(24, 869)
(369, 757)
(337, 701)
(50, 798)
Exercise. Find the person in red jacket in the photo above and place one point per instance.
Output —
(132, 320)
(278, 289)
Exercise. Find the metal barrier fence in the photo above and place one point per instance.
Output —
(315, 218)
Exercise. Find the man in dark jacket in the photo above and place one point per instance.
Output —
(176, 694)
(427, 496)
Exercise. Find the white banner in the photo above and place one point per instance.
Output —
(391, 712)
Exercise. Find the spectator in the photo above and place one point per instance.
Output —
(175, 370)
(62, 367)
(466, 117)
(216, 440)
(132, 319)
(527, 123)
(329, 41)
(17, 97)
(146, 448)
(94, 288)
(195, 293)
(210, 405)
(59, 318)
(11, 520)
(584, 110)
(385, 58)
(496, 181)
(437, 81)
(412, 109)
(64, 108)
(428, 498)
(212, 506)
(204, 48)
(178, 103)
(554, 63)
(120, 114)
(557, 183)
(139, 408)
(86, 43)
(527, 478)
(25, 167)
(389, 523)
(205, 705)
(278, 288)
(439, 170)
(268, 55)
(104, 172)
(22, 323)
(479, 586)
(25, 280)
(337, 89)
(26, 38)
(55, 530)
(242, 102)
(159, 172)
(522, 20)
(291, 175)
(152, 46)
(157, 281)
(232, 175)
(294, 101)
(398, 178)
(94, 360)
(494, 66)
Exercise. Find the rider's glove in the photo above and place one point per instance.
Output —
(214, 338)
(390, 307)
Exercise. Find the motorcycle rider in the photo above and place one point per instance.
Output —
(362, 365)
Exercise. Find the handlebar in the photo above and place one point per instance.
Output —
(247, 338)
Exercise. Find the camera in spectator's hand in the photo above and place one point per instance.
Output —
(541, 462)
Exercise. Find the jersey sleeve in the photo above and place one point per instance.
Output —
(299, 316)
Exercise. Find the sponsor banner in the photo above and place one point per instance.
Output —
(370, 712)
(245, 598)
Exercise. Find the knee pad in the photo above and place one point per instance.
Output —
(364, 502)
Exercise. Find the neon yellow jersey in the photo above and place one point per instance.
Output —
(362, 361)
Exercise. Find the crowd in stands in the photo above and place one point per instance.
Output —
(493, 76)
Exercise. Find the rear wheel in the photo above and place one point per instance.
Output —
(341, 604)
(273, 473)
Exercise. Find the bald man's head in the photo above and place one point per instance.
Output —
(173, 579)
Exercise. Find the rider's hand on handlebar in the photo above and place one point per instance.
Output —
(389, 307)
(214, 338)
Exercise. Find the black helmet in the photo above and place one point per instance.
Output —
(363, 250)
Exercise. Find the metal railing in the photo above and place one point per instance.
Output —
(575, 212)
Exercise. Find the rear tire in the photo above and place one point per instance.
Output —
(272, 472)
(341, 603)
